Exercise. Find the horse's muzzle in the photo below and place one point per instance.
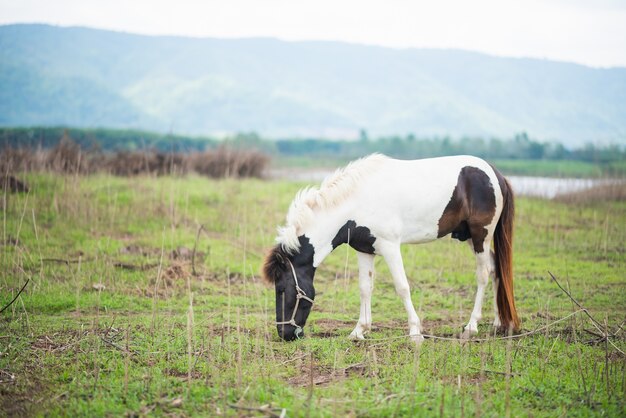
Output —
(289, 332)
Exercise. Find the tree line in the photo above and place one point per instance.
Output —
(520, 147)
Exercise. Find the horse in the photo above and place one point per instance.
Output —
(374, 205)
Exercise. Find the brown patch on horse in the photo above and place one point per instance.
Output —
(471, 208)
(274, 264)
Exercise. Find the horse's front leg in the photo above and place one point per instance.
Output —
(393, 257)
(366, 285)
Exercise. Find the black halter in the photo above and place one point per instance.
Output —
(299, 295)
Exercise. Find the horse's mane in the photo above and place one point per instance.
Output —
(334, 190)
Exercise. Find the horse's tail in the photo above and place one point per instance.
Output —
(503, 249)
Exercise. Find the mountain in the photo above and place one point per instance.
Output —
(95, 78)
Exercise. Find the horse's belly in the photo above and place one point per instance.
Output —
(420, 229)
(419, 236)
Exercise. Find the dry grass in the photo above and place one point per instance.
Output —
(612, 192)
(68, 157)
(148, 162)
(229, 163)
(124, 326)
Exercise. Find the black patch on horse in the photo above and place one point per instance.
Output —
(470, 209)
(358, 237)
(461, 232)
(304, 256)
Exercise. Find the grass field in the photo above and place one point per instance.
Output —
(122, 317)
(543, 168)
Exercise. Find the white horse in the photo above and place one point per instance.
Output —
(376, 204)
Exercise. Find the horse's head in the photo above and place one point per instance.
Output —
(292, 276)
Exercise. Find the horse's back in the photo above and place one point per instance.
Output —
(407, 198)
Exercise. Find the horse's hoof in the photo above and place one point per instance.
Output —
(467, 334)
(417, 339)
(356, 336)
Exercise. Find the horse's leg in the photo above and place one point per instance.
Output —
(495, 281)
(484, 268)
(393, 257)
(366, 285)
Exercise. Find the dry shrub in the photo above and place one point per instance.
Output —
(16, 160)
(126, 163)
(611, 192)
(134, 163)
(230, 163)
(68, 157)
(171, 163)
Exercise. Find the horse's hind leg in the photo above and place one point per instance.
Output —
(366, 285)
(393, 257)
(496, 282)
(484, 268)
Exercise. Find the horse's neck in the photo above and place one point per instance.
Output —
(324, 229)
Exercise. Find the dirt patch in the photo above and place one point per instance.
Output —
(326, 334)
(464, 292)
(172, 281)
(17, 397)
(443, 327)
(314, 374)
(327, 328)
(332, 328)
(174, 276)
(178, 254)
(71, 338)
(135, 249)
(12, 241)
(176, 272)
(182, 374)
(186, 254)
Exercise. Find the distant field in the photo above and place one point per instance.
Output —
(543, 168)
(561, 168)
(122, 316)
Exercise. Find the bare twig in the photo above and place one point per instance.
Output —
(599, 327)
(265, 409)
(575, 301)
(128, 266)
(119, 347)
(495, 371)
(619, 328)
(193, 254)
(478, 340)
(293, 359)
(11, 377)
(595, 334)
(16, 296)
(58, 260)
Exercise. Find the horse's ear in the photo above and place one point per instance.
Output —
(274, 264)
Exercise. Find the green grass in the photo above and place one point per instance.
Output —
(131, 347)
(544, 168)
(561, 168)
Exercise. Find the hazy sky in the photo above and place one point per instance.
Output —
(591, 32)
